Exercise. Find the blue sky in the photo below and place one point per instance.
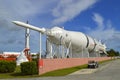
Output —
(96, 18)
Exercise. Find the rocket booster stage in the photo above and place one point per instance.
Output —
(59, 36)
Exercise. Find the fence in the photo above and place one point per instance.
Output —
(46, 65)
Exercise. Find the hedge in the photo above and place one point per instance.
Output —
(7, 66)
(29, 68)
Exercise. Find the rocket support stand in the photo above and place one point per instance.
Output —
(40, 47)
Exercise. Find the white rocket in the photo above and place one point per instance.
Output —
(27, 36)
(78, 40)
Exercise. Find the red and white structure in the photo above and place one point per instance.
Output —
(25, 54)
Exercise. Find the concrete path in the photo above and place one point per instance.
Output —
(84, 71)
(90, 71)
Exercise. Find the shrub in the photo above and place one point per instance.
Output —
(29, 68)
(7, 66)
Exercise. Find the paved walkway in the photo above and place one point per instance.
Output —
(90, 71)
(84, 71)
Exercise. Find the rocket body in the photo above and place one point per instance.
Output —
(78, 40)
(60, 36)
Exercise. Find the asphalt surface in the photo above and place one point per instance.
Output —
(108, 71)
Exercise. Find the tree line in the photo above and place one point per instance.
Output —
(112, 53)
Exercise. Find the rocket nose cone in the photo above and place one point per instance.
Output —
(15, 22)
(20, 23)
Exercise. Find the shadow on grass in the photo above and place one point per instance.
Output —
(20, 75)
(17, 74)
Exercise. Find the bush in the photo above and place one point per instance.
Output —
(29, 68)
(7, 66)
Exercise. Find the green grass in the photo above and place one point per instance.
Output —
(16, 74)
(61, 72)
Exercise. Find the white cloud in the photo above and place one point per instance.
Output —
(105, 32)
(99, 20)
(17, 9)
(69, 9)
(22, 10)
